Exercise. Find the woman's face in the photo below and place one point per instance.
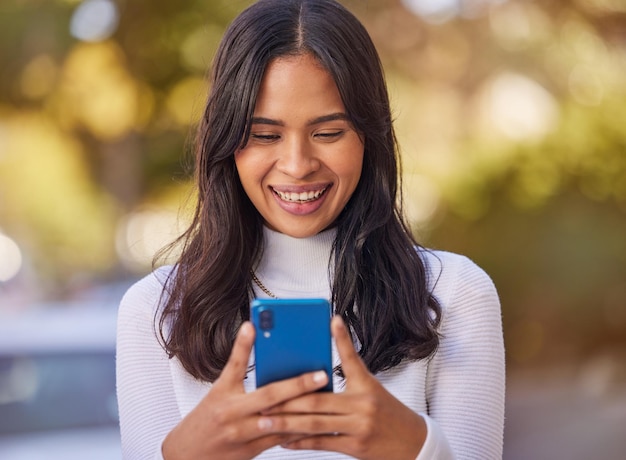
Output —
(303, 159)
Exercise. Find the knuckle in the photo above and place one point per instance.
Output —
(220, 415)
(370, 406)
(279, 424)
(231, 434)
(368, 428)
(312, 401)
(315, 425)
(359, 447)
(271, 395)
(235, 360)
(302, 383)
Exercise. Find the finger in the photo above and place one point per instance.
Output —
(237, 365)
(301, 425)
(266, 442)
(345, 403)
(351, 362)
(256, 429)
(265, 430)
(331, 442)
(276, 393)
(312, 403)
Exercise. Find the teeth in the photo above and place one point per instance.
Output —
(301, 197)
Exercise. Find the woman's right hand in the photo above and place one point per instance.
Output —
(227, 423)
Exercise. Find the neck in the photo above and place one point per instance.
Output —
(294, 267)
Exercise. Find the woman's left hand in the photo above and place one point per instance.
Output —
(365, 421)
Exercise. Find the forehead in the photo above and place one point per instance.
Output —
(297, 83)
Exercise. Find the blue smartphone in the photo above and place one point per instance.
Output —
(292, 337)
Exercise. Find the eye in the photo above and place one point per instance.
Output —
(264, 138)
(329, 136)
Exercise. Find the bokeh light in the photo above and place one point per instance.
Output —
(185, 99)
(141, 234)
(435, 11)
(422, 198)
(103, 97)
(441, 11)
(94, 20)
(10, 258)
(518, 107)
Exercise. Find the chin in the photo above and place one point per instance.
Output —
(300, 234)
(298, 231)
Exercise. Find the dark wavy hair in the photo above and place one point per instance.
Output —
(379, 287)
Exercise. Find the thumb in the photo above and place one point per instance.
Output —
(351, 363)
(237, 365)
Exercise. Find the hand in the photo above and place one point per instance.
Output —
(365, 421)
(227, 424)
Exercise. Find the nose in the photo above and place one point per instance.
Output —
(297, 158)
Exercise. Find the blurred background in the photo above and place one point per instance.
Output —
(511, 117)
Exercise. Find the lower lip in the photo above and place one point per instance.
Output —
(301, 209)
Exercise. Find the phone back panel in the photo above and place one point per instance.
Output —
(296, 339)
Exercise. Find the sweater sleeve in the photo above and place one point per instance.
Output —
(466, 377)
(146, 398)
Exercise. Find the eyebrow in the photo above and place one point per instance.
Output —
(314, 121)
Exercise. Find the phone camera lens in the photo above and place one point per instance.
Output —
(266, 320)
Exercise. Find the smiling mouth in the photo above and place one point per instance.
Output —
(300, 197)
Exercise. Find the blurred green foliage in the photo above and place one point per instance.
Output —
(510, 120)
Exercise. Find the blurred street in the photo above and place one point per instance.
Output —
(573, 413)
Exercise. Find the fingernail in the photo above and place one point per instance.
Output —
(319, 377)
(264, 423)
(245, 329)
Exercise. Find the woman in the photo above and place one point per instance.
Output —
(298, 182)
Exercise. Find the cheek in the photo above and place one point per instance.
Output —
(350, 169)
(241, 159)
(249, 170)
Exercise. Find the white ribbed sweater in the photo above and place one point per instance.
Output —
(460, 391)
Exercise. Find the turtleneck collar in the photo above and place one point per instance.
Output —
(296, 267)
